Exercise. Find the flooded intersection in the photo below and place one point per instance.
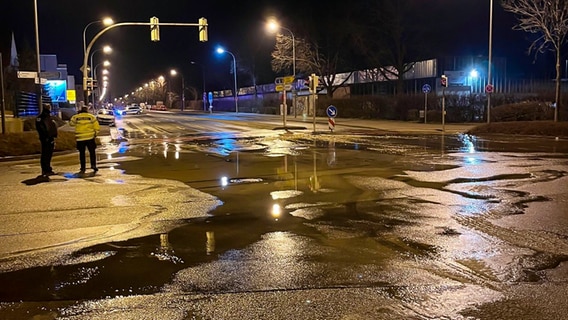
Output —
(411, 227)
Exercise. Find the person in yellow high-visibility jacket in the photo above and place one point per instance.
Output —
(86, 130)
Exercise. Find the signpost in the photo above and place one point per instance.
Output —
(284, 84)
(331, 112)
(27, 74)
(426, 89)
(210, 98)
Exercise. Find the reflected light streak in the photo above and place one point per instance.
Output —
(122, 148)
(165, 149)
(469, 147)
(276, 211)
(224, 181)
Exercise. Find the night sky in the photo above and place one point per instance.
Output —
(460, 27)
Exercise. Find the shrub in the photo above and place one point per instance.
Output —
(27, 142)
(524, 111)
(542, 128)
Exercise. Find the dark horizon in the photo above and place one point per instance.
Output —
(135, 59)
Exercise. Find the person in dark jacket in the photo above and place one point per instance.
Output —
(47, 130)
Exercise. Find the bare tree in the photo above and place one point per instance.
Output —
(548, 19)
(309, 59)
(391, 38)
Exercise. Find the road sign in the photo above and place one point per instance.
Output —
(54, 75)
(331, 111)
(279, 87)
(288, 79)
(284, 80)
(426, 88)
(27, 74)
(288, 87)
(489, 88)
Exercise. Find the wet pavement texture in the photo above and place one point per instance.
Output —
(329, 227)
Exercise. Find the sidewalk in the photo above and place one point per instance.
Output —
(350, 124)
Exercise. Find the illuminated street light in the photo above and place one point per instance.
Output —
(105, 63)
(105, 49)
(173, 72)
(221, 51)
(273, 26)
(106, 21)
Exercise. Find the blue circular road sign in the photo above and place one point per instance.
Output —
(426, 88)
(331, 111)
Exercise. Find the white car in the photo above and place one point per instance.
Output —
(132, 109)
(105, 116)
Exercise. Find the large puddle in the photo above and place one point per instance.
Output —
(329, 212)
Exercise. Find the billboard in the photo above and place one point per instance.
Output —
(57, 89)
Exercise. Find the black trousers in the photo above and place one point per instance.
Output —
(47, 147)
(91, 145)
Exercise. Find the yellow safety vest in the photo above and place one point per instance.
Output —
(86, 126)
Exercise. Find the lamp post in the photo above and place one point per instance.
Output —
(221, 50)
(39, 100)
(274, 26)
(173, 72)
(203, 83)
(106, 21)
(489, 66)
(105, 49)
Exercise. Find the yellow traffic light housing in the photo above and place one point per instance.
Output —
(154, 29)
(203, 30)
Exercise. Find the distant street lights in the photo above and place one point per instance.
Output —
(105, 63)
(220, 51)
(105, 49)
(203, 82)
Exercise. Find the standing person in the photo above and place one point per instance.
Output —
(86, 129)
(47, 131)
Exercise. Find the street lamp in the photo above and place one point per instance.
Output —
(273, 26)
(38, 57)
(203, 83)
(106, 21)
(173, 72)
(105, 49)
(489, 67)
(220, 51)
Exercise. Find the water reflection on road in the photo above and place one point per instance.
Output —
(436, 225)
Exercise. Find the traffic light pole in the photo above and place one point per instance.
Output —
(122, 24)
(444, 110)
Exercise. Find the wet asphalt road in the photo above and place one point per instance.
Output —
(328, 226)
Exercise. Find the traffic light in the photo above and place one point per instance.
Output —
(154, 29)
(444, 81)
(314, 81)
(202, 29)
